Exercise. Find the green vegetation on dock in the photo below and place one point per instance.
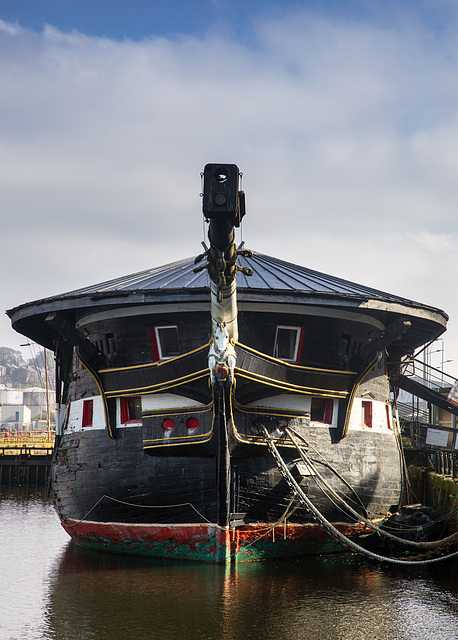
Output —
(437, 491)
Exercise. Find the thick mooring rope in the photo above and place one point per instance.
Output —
(318, 517)
(424, 546)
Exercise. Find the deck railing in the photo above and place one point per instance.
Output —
(415, 417)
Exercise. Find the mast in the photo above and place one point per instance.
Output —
(223, 206)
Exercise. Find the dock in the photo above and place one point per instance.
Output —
(25, 460)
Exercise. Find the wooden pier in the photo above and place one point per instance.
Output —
(25, 460)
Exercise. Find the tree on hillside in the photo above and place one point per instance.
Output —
(10, 357)
(38, 361)
(37, 364)
(22, 376)
(19, 373)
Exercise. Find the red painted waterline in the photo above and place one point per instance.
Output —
(209, 542)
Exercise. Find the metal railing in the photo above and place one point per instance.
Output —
(444, 462)
(416, 417)
(428, 375)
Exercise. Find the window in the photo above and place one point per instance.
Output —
(322, 410)
(367, 413)
(288, 343)
(107, 345)
(88, 410)
(131, 409)
(344, 347)
(443, 418)
(76, 363)
(164, 341)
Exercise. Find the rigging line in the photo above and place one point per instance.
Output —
(333, 497)
(165, 506)
(140, 506)
(70, 526)
(327, 488)
(286, 514)
(35, 355)
(369, 523)
(424, 348)
(328, 464)
(326, 525)
(358, 502)
(406, 488)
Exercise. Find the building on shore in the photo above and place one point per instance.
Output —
(24, 409)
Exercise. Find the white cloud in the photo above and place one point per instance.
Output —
(10, 28)
(438, 243)
(346, 134)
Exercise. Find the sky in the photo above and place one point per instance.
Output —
(342, 116)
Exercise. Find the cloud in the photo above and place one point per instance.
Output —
(438, 243)
(345, 131)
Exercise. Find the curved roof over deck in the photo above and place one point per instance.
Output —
(273, 281)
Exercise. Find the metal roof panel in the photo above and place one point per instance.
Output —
(268, 274)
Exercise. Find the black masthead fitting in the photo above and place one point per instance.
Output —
(223, 206)
(222, 199)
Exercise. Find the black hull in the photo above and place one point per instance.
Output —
(106, 480)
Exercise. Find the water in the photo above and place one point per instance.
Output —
(51, 589)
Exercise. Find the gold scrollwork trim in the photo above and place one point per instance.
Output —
(276, 411)
(310, 391)
(293, 366)
(160, 363)
(179, 411)
(205, 437)
(157, 388)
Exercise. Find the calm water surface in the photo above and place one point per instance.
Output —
(50, 588)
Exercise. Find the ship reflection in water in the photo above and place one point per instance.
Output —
(52, 589)
(100, 596)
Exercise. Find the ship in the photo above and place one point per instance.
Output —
(228, 407)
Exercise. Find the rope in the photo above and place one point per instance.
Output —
(318, 517)
(410, 491)
(326, 463)
(271, 528)
(419, 545)
(140, 506)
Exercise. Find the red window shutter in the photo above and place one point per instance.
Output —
(299, 348)
(367, 413)
(87, 413)
(328, 411)
(388, 416)
(125, 415)
(131, 409)
(154, 344)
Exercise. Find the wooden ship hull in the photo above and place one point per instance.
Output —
(197, 425)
